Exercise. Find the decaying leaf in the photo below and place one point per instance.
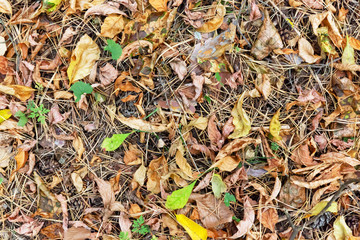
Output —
(83, 59)
(241, 120)
(157, 169)
(249, 217)
(275, 126)
(21, 92)
(267, 40)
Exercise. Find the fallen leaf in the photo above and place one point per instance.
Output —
(215, 137)
(292, 194)
(79, 146)
(157, 169)
(179, 67)
(130, 4)
(142, 125)
(5, 114)
(275, 126)
(267, 40)
(107, 74)
(212, 212)
(21, 92)
(133, 156)
(113, 143)
(103, 9)
(295, 4)
(55, 116)
(268, 217)
(348, 56)
(235, 146)
(200, 123)
(53, 231)
(337, 157)
(313, 184)
(306, 51)
(80, 88)
(140, 175)
(301, 155)
(159, 5)
(5, 7)
(320, 206)
(112, 26)
(134, 47)
(245, 225)
(179, 198)
(30, 229)
(241, 120)
(203, 183)
(67, 36)
(63, 95)
(355, 43)
(275, 192)
(195, 231)
(77, 177)
(83, 59)
(342, 14)
(183, 164)
(217, 185)
(341, 229)
(254, 12)
(79, 233)
(315, 4)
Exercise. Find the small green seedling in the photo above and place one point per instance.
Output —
(229, 198)
(114, 48)
(274, 146)
(38, 112)
(79, 88)
(124, 236)
(139, 226)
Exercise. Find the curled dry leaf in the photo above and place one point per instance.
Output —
(183, 164)
(83, 59)
(55, 116)
(112, 26)
(214, 23)
(245, 225)
(179, 67)
(302, 156)
(312, 184)
(133, 156)
(241, 120)
(235, 146)
(21, 92)
(268, 217)
(130, 4)
(140, 175)
(135, 46)
(104, 10)
(267, 40)
(337, 157)
(157, 169)
(216, 138)
(68, 36)
(275, 192)
(306, 51)
(5, 7)
(200, 123)
(255, 11)
(143, 125)
(315, 4)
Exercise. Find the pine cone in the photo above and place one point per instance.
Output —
(352, 220)
(323, 220)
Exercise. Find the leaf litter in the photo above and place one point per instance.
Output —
(132, 119)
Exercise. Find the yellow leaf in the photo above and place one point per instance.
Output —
(195, 231)
(5, 7)
(4, 115)
(341, 230)
(112, 26)
(83, 59)
(21, 92)
(320, 206)
(275, 126)
(211, 25)
(159, 5)
(241, 120)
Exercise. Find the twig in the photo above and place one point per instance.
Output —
(337, 194)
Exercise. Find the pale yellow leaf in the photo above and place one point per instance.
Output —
(195, 231)
(159, 5)
(140, 124)
(140, 175)
(320, 206)
(200, 123)
(341, 230)
(275, 126)
(241, 120)
(5, 7)
(83, 59)
(183, 164)
(112, 26)
(227, 163)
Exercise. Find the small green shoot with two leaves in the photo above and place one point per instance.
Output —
(79, 88)
(139, 226)
(38, 112)
(229, 198)
(114, 48)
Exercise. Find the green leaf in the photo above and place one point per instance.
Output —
(1, 180)
(218, 77)
(348, 56)
(22, 118)
(124, 236)
(113, 143)
(207, 98)
(51, 5)
(236, 219)
(218, 186)
(179, 198)
(79, 88)
(114, 48)
(229, 198)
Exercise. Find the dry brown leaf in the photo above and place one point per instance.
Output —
(245, 225)
(112, 26)
(107, 74)
(79, 146)
(204, 183)
(183, 164)
(235, 146)
(312, 184)
(227, 163)
(77, 177)
(55, 116)
(179, 67)
(306, 51)
(133, 156)
(254, 12)
(83, 59)
(295, 4)
(63, 95)
(30, 229)
(125, 223)
(215, 137)
(337, 157)
(104, 10)
(21, 92)
(67, 36)
(275, 192)
(212, 211)
(263, 85)
(140, 175)
(315, 4)
(211, 25)
(130, 4)
(268, 217)
(342, 14)
(159, 5)
(347, 67)
(143, 125)
(157, 168)
(133, 49)
(200, 123)
(80, 233)
(267, 40)
(355, 43)
(301, 156)
(5, 7)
